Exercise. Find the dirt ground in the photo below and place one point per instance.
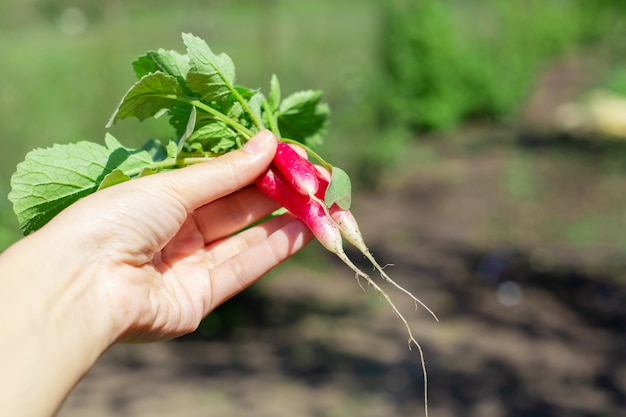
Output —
(525, 329)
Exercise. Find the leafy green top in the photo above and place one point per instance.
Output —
(210, 114)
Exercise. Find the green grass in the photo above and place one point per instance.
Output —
(448, 62)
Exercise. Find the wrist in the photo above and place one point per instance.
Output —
(56, 330)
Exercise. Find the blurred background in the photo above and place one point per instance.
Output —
(487, 145)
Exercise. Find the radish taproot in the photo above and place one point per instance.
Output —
(329, 225)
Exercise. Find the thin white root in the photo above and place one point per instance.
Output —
(369, 280)
(386, 277)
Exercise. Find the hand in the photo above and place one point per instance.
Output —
(168, 248)
(143, 260)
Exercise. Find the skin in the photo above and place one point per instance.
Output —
(141, 261)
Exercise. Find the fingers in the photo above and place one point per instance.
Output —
(232, 213)
(199, 184)
(222, 250)
(257, 251)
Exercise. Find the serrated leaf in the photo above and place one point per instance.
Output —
(211, 76)
(303, 118)
(207, 87)
(131, 161)
(235, 111)
(216, 138)
(169, 62)
(144, 65)
(51, 179)
(339, 190)
(150, 96)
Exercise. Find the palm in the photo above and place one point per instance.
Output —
(182, 266)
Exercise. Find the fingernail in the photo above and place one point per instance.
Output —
(258, 142)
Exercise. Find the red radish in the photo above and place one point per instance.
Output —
(312, 212)
(301, 174)
(315, 215)
(274, 184)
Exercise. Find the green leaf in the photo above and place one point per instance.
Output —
(191, 125)
(216, 138)
(48, 180)
(51, 179)
(144, 65)
(179, 117)
(273, 98)
(207, 87)
(211, 76)
(171, 150)
(303, 118)
(255, 103)
(339, 190)
(152, 95)
(245, 92)
(235, 111)
(131, 161)
(114, 177)
(169, 62)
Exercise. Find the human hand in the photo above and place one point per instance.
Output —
(164, 250)
(141, 261)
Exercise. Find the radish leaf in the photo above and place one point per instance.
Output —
(273, 98)
(169, 62)
(149, 97)
(50, 179)
(210, 75)
(215, 137)
(303, 118)
(339, 190)
(210, 116)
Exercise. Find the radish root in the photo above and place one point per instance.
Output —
(359, 273)
(387, 278)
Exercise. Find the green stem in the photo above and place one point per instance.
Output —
(245, 106)
(271, 117)
(247, 133)
(311, 152)
(169, 163)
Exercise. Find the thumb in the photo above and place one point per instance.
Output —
(202, 183)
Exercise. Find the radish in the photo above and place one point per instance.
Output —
(308, 180)
(276, 186)
(316, 217)
(329, 227)
(302, 175)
